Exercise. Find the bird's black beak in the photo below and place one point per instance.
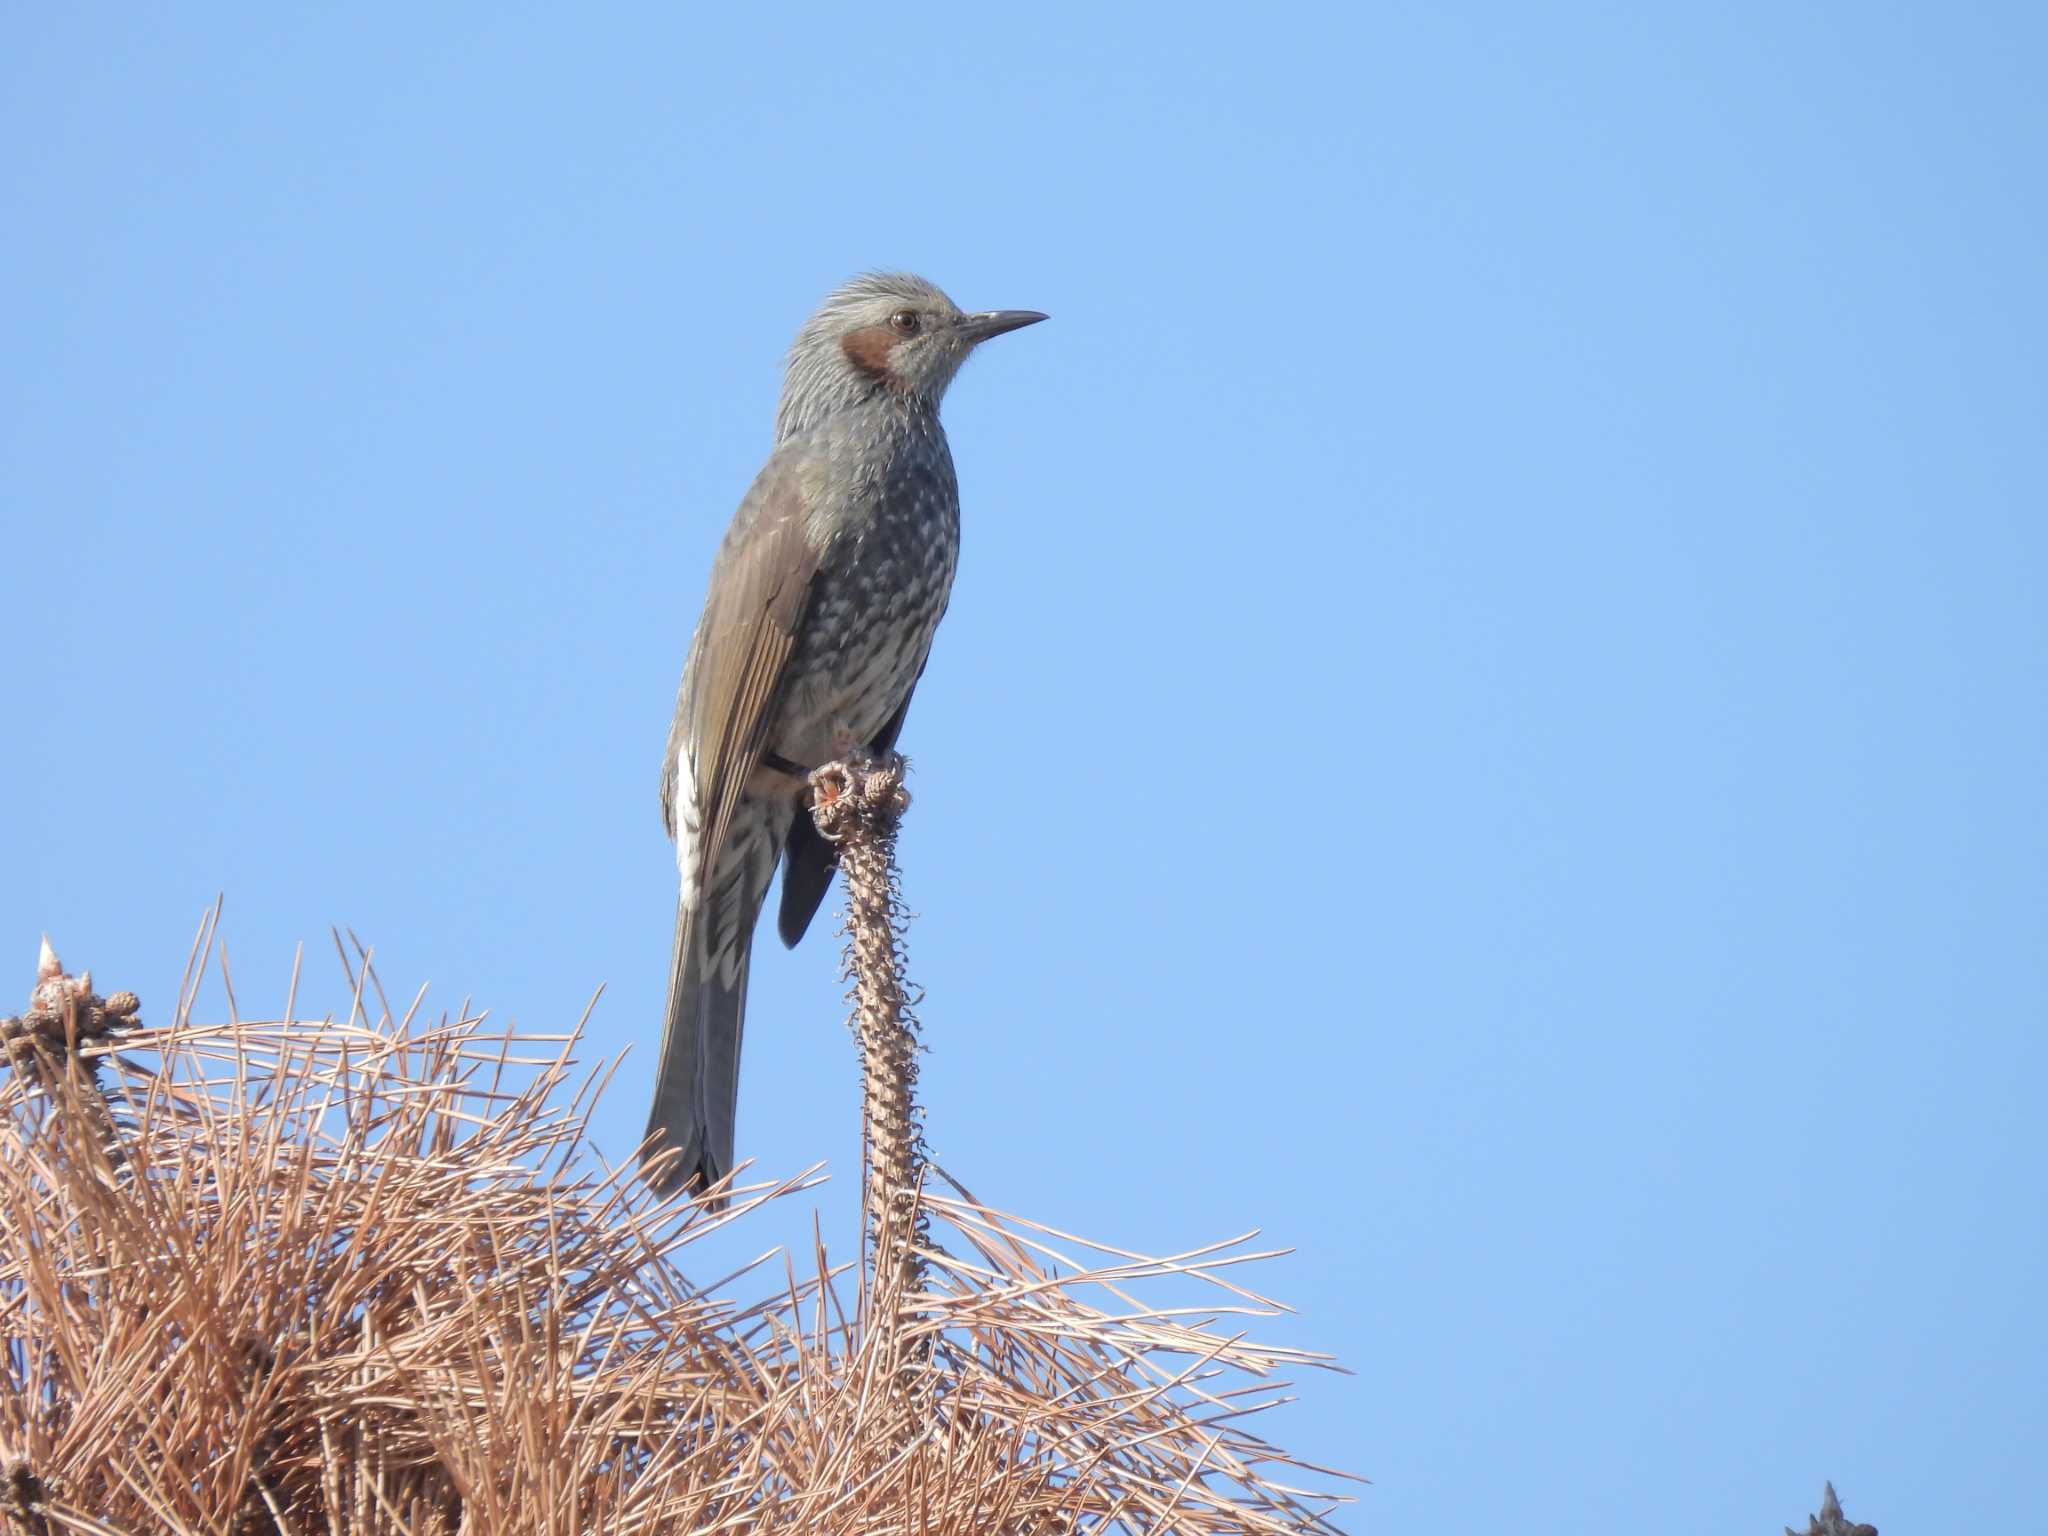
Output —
(994, 322)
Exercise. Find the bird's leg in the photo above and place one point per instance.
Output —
(826, 788)
(846, 747)
(845, 744)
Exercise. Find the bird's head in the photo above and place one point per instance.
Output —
(882, 333)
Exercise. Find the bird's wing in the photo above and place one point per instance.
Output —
(761, 585)
(809, 860)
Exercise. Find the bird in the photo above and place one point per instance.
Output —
(823, 599)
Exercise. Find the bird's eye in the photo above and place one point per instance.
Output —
(905, 320)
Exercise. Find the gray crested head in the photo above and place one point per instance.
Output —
(883, 334)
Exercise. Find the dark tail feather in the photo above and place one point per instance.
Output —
(697, 1085)
(808, 862)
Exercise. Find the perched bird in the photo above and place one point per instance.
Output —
(823, 600)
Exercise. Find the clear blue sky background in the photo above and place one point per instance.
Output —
(1492, 723)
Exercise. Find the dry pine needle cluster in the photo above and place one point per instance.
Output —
(365, 1274)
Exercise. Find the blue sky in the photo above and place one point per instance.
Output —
(1491, 723)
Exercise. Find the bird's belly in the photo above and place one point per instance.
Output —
(877, 599)
(853, 689)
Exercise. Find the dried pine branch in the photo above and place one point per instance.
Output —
(364, 1274)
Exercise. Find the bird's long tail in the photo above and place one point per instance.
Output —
(697, 1086)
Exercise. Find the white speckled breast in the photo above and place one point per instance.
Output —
(881, 588)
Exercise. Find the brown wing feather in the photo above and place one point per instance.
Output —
(760, 589)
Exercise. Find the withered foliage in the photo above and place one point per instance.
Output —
(365, 1274)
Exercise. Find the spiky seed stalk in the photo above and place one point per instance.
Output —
(858, 804)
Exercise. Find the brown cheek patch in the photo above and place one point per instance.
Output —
(868, 350)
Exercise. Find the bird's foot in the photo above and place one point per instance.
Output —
(829, 782)
(827, 785)
(852, 791)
